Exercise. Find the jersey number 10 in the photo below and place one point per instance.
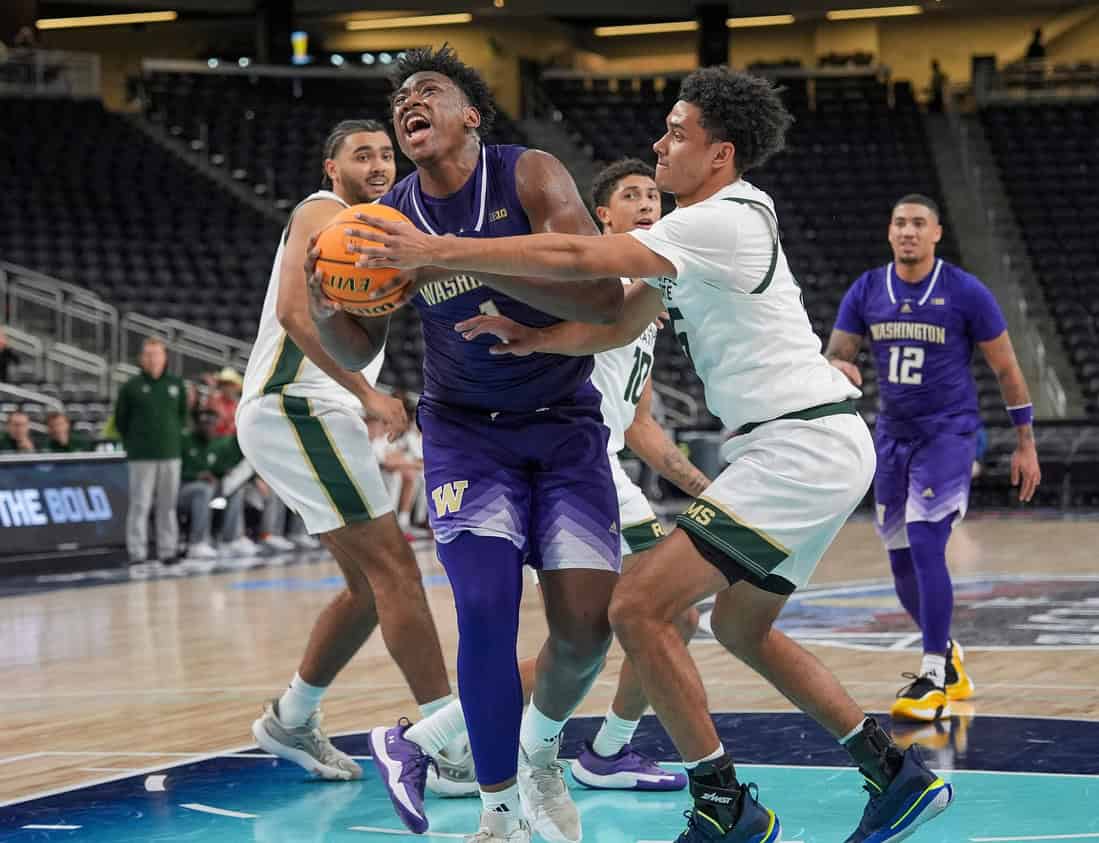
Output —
(642, 364)
(905, 363)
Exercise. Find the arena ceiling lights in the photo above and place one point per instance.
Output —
(106, 20)
(413, 20)
(880, 12)
(689, 26)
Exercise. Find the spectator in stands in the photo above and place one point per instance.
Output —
(938, 88)
(149, 414)
(206, 459)
(1037, 50)
(8, 358)
(18, 437)
(402, 465)
(60, 439)
(225, 398)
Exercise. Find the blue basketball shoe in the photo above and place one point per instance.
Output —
(753, 824)
(915, 796)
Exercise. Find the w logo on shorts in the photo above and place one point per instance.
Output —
(448, 497)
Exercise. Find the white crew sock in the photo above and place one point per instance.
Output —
(504, 803)
(713, 756)
(443, 728)
(299, 701)
(404, 520)
(934, 667)
(538, 731)
(614, 734)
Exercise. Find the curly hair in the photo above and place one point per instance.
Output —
(607, 179)
(742, 109)
(446, 62)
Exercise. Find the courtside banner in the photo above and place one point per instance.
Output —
(62, 502)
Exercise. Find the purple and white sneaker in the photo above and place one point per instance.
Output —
(627, 769)
(402, 766)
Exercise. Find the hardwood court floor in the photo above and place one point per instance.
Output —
(128, 676)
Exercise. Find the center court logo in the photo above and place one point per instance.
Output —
(992, 612)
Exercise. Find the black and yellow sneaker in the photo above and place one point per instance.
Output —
(920, 700)
(959, 684)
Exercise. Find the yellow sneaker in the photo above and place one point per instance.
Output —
(959, 684)
(920, 700)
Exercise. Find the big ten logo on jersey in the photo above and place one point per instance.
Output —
(448, 497)
(438, 292)
(700, 513)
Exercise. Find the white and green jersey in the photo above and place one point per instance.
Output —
(737, 311)
(620, 375)
(276, 364)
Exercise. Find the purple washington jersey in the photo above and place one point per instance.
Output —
(458, 372)
(514, 447)
(922, 338)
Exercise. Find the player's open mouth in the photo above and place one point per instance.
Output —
(416, 127)
(377, 181)
(643, 222)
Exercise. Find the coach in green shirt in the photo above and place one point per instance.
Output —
(150, 414)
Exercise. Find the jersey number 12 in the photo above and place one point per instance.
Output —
(905, 364)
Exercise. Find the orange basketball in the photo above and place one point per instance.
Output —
(346, 283)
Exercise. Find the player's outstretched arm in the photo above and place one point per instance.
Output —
(843, 348)
(1025, 471)
(641, 307)
(646, 438)
(552, 272)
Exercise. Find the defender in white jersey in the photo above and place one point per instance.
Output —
(800, 459)
(300, 424)
(625, 197)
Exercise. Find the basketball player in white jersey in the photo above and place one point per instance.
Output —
(799, 462)
(300, 424)
(625, 197)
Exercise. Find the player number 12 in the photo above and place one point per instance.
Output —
(905, 363)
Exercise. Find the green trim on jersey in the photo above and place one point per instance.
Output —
(755, 551)
(642, 536)
(769, 277)
(325, 460)
(288, 363)
(837, 408)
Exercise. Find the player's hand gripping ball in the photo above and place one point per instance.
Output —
(353, 287)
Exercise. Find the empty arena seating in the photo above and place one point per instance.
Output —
(90, 199)
(1047, 158)
(268, 131)
(850, 154)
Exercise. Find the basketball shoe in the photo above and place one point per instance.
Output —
(495, 829)
(747, 822)
(453, 777)
(959, 684)
(545, 795)
(915, 796)
(627, 769)
(306, 745)
(402, 766)
(920, 700)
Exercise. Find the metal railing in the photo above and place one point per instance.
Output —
(50, 73)
(679, 407)
(28, 346)
(62, 359)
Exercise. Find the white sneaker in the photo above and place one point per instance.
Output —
(305, 542)
(202, 550)
(545, 796)
(278, 544)
(306, 745)
(243, 546)
(453, 776)
(500, 828)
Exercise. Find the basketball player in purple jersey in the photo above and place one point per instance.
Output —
(924, 316)
(515, 456)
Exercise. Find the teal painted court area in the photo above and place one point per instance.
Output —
(251, 797)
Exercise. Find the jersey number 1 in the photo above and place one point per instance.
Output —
(642, 364)
(905, 364)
